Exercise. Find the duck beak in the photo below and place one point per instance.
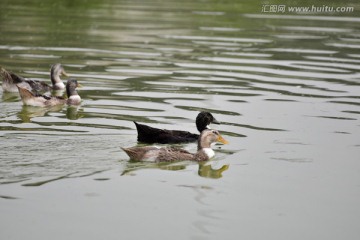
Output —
(79, 85)
(64, 74)
(215, 121)
(222, 140)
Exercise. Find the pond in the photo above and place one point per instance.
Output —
(284, 85)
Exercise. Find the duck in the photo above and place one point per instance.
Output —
(34, 99)
(171, 154)
(147, 134)
(10, 80)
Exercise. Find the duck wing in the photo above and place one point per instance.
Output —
(35, 99)
(149, 134)
(16, 78)
(142, 153)
(150, 153)
(38, 86)
(178, 136)
(171, 154)
(34, 85)
(10, 80)
(30, 98)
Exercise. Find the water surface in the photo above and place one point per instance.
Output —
(284, 86)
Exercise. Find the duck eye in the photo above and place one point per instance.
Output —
(215, 132)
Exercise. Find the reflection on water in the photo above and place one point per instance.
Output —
(28, 112)
(74, 112)
(131, 166)
(205, 169)
(10, 97)
(67, 176)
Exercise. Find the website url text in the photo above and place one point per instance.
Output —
(272, 8)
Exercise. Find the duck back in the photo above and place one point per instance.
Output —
(155, 154)
(38, 86)
(149, 134)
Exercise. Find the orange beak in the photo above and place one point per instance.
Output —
(222, 140)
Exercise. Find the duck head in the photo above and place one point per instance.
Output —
(209, 136)
(204, 119)
(57, 71)
(73, 96)
(71, 86)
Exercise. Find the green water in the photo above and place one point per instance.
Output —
(285, 87)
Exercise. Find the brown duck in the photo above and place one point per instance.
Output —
(170, 154)
(38, 100)
(10, 80)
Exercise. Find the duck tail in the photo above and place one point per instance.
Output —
(129, 152)
(6, 76)
(25, 94)
(146, 132)
(140, 130)
(137, 126)
(10, 77)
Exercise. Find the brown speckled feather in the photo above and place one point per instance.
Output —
(32, 99)
(170, 154)
(10, 80)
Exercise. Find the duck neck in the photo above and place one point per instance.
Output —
(56, 80)
(71, 91)
(204, 154)
(201, 125)
(203, 144)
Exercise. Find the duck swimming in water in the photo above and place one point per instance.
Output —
(147, 134)
(38, 100)
(10, 80)
(170, 154)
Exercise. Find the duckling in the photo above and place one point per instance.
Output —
(35, 99)
(149, 134)
(169, 154)
(11, 79)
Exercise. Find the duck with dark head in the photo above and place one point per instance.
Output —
(147, 134)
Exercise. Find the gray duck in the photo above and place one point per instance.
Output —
(34, 99)
(10, 80)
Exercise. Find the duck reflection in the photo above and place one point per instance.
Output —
(74, 112)
(58, 93)
(29, 112)
(205, 169)
(10, 97)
